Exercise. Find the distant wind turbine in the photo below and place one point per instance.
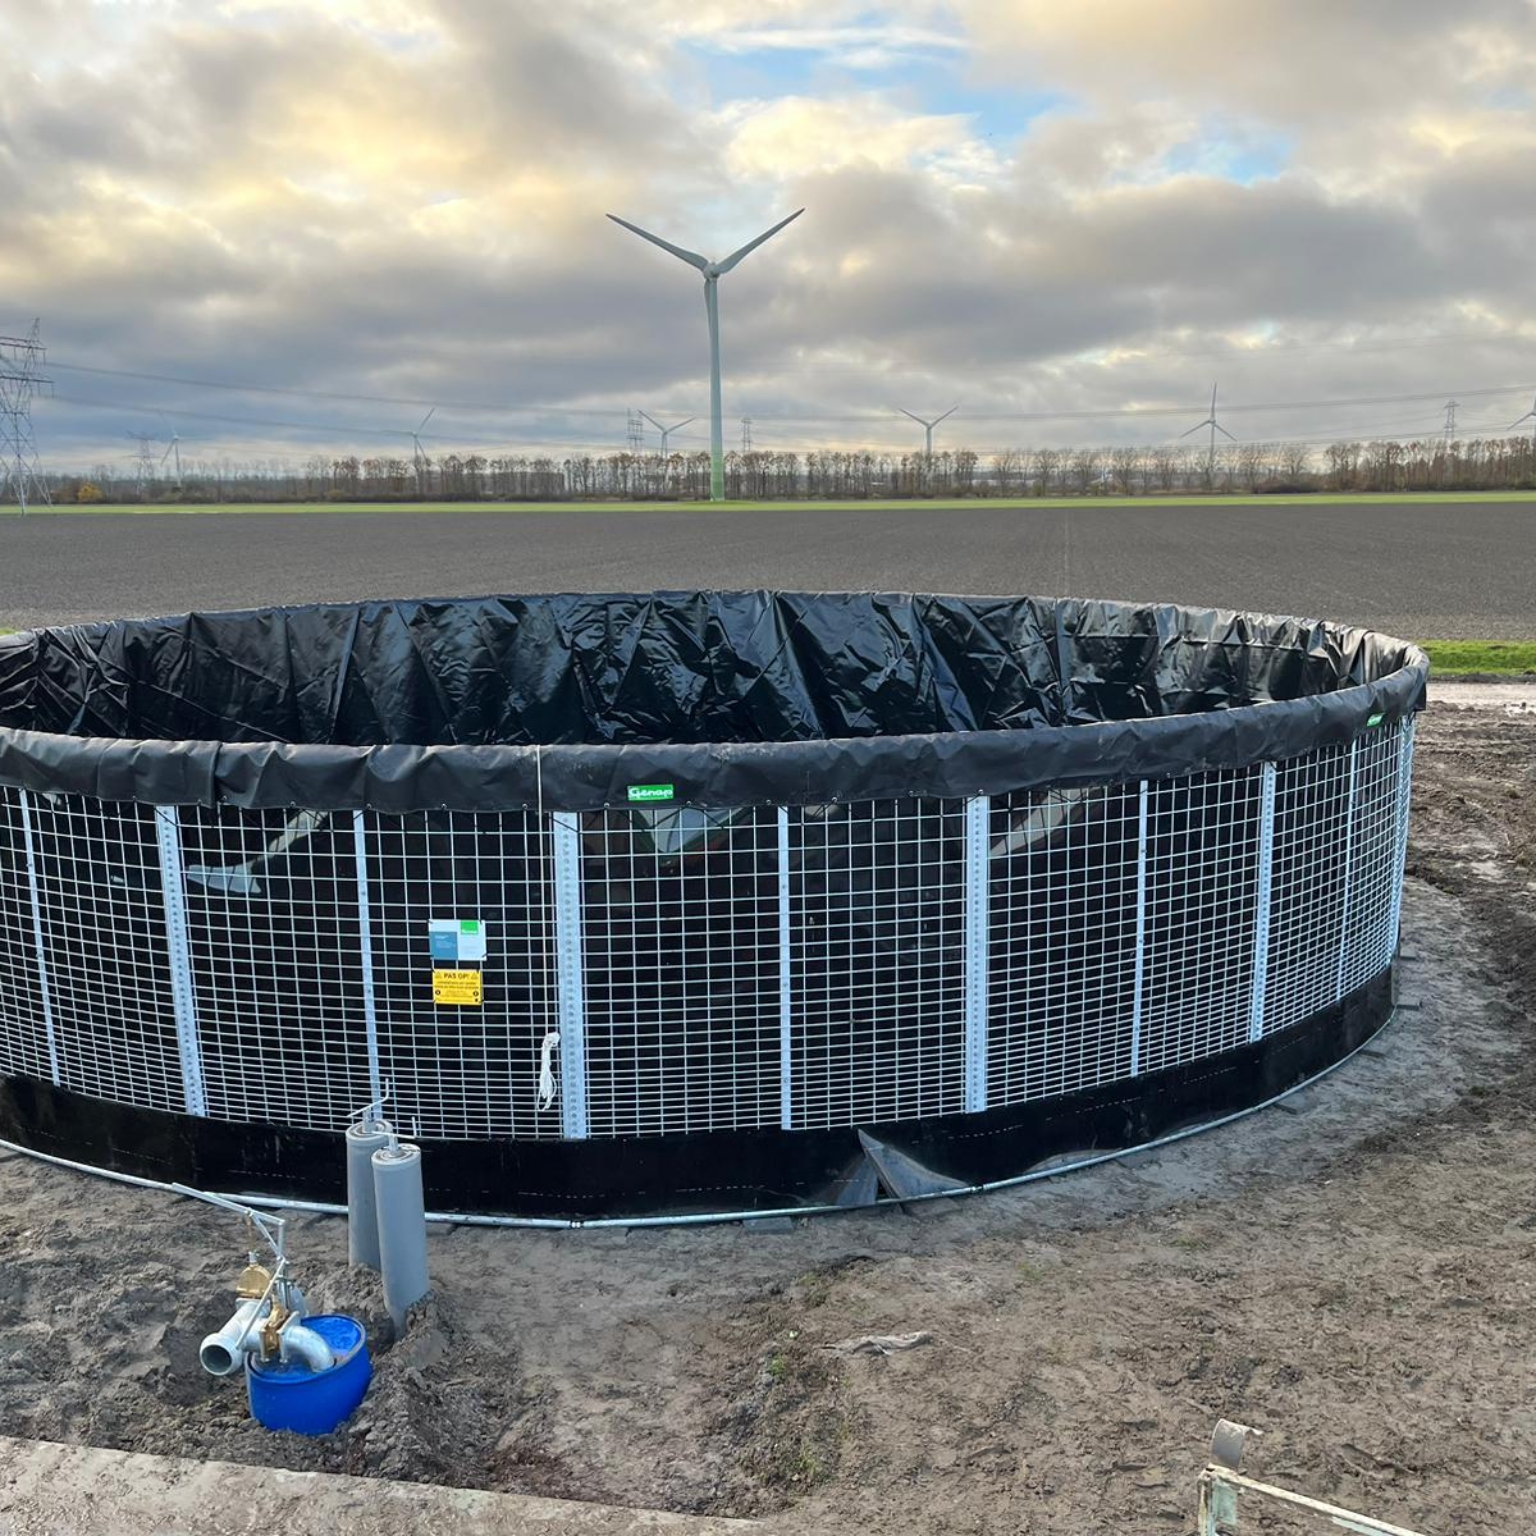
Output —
(928, 426)
(667, 432)
(173, 447)
(712, 271)
(1215, 426)
(1530, 416)
(418, 456)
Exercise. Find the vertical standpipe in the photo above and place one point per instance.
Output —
(402, 1228)
(364, 1138)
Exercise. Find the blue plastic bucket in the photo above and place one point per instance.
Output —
(310, 1402)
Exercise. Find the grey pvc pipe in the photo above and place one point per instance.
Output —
(363, 1140)
(402, 1224)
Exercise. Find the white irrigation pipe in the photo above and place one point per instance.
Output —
(457, 1218)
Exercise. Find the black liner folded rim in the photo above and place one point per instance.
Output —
(598, 776)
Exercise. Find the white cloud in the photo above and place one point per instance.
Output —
(800, 136)
(388, 196)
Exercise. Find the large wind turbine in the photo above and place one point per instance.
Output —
(1215, 426)
(928, 426)
(713, 271)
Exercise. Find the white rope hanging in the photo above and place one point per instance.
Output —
(547, 1049)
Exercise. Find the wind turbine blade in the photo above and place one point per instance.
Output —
(918, 419)
(947, 414)
(1529, 415)
(686, 421)
(1197, 426)
(751, 245)
(653, 421)
(1223, 431)
(691, 257)
(428, 417)
(164, 456)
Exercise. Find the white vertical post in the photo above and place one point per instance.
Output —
(183, 995)
(566, 834)
(1261, 906)
(1141, 929)
(1349, 872)
(786, 984)
(365, 956)
(39, 944)
(978, 837)
(1404, 801)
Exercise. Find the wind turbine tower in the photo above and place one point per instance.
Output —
(712, 272)
(928, 426)
(1215, 426)
(666, 432)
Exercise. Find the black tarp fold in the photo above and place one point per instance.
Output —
(732, 698)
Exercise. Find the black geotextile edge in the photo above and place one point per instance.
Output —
(698, 1172)
(593, 777)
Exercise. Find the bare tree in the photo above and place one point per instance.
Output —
(1086, 464)
(1295, 462)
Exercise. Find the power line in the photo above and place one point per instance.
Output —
(333, 428)
(1418, 426)
(334, 394)
(1108, 413)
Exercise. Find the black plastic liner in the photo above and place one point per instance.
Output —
(716, 1172)
(734, 698)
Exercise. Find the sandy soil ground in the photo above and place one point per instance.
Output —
(1351, 1273)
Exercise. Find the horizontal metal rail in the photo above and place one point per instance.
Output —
(1219, 1487)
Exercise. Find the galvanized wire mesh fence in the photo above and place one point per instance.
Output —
(798, 967)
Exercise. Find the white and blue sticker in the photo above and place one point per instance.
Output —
(457, 941)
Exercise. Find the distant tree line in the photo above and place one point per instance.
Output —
(1439, 464)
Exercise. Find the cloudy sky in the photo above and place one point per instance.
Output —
(1035, 210)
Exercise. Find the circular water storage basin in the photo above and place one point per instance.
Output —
(662, 905)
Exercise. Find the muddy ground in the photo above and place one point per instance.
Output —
(1353, 1273)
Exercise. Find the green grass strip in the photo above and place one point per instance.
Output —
(1500, 658)
(997, 503)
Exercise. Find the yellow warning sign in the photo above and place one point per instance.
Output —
(460, 989)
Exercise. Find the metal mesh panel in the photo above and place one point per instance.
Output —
(815, 966)
(1370, 930)
(24, 1025)
(463, 1072)
(1307, 885)
(1064, 905)
(1202, 895)
(680, 927)
(276, 962)
(103, 919)
(877, 961)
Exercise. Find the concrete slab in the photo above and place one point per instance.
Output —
(75, 1490)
